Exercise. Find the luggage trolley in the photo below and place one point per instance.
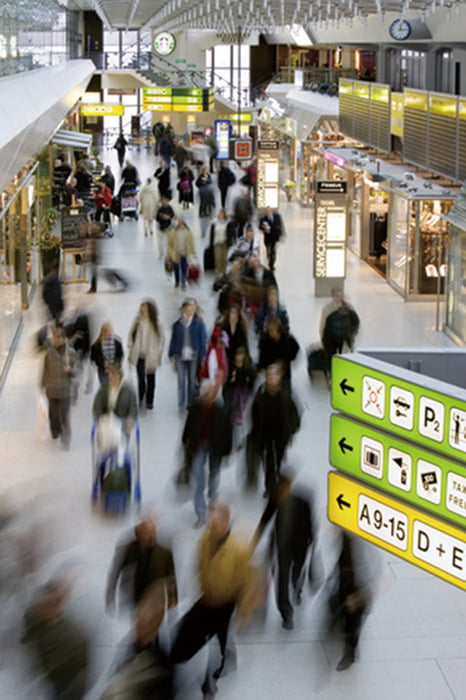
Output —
(129, 201)
(116, 474)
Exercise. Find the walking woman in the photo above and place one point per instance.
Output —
(107, 350)
(145, 347)
(180, 247)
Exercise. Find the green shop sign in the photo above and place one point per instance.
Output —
(405, 470)
(417, 408)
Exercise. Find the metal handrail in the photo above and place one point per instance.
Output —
(158, 68)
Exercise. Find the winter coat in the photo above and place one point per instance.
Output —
(173, 247)
(56, 382)
(153, 350)
(148, 201)
(197, 334)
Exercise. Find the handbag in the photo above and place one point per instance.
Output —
(168, 266)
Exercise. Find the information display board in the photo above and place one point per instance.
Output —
(405, 470)
(376, 392)
(330, 226)
(160, 99)
(74, 224)
(419, 539)
(222, 131)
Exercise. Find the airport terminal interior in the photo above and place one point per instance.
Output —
(402, 266)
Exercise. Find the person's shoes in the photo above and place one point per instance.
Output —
(149, 406)
(298, 597)
(145, 235)
(91, 291)
(176, 285)
(346, 660)
(183, 287)
(200, 522)
(287, 623)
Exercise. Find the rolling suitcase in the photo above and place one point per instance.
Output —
(194, 271)
(209, 257)
(317, 361)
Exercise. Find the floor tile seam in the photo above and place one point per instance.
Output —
(445, 679)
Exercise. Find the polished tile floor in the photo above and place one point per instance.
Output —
(413, 644)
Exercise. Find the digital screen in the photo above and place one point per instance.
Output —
(222, 138)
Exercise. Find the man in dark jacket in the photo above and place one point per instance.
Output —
(292, 538)
(275, 419)
(225, 178)
(207, 434)
(52, 294)
(339, 325)
(138, 564)
(271, 226)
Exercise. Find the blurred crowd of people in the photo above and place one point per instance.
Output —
(235, 400)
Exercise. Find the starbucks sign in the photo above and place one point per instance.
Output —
(164, 43)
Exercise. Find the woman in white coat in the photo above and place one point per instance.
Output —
(148, 203)
(145, 348)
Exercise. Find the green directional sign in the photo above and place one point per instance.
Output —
(418, 408)
(405, 470)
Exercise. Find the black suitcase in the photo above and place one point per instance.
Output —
(317, 361)
(209, 257)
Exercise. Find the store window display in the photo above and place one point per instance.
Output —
(456, 293)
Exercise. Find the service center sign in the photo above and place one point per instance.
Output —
(330, 223)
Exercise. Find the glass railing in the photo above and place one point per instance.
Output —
(286, 74)
(159, 70)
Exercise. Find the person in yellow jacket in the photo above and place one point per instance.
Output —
(180, 246)
(228, 581)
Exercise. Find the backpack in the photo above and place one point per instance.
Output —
(338, 325)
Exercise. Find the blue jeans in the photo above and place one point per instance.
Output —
(198, 478)
(186, 381)
(182, 267)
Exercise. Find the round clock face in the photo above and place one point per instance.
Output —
(400, 29)
(164, 43)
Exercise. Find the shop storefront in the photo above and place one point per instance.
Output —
(396, 222)
(18, 262)
(417, 244)
(455, 322)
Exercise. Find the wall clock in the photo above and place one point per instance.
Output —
(400, 29)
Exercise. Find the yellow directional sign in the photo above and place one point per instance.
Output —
(102, 110)
(419, 539)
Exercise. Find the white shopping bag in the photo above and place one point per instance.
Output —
(42, 427)
(109, 432)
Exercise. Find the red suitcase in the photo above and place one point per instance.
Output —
(194, 271)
